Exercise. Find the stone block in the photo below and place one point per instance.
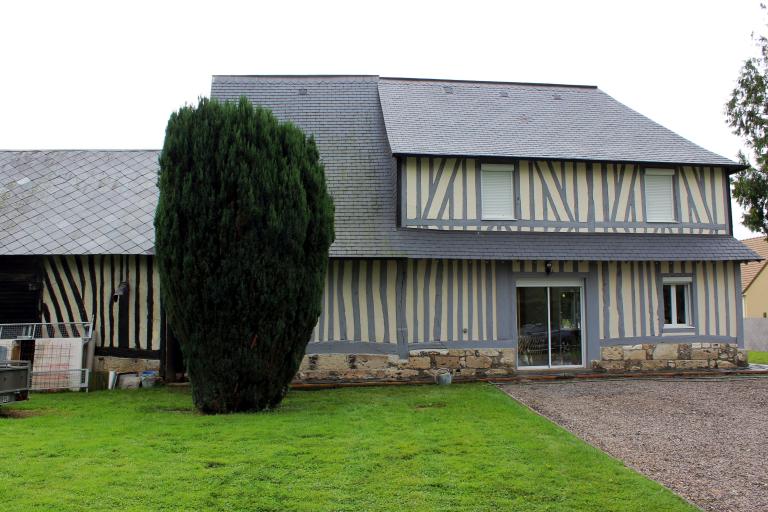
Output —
(315, 376)
(508, 357)
(332, 362)
(692, 364)
(478, 362)
(426, 352)
(359, 374)
(401, 374)
(498, 372)
(704, 353)
(653, 364)
(447, 361)
(460, 352)
(488, 352)
(418, 363)
(613, 366)
(665, 351)
(612, 353)
(726, 365)
(635, 354)
(372, 361)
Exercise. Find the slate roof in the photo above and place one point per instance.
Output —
(437, 117)
(343, 114)
(77, 202)
(92, 202)
(571, 246)
(750, 271)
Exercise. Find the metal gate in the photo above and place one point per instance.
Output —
(56, 351)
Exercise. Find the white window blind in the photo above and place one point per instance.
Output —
(659, 195)
(497, 193)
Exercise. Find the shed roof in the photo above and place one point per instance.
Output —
(77, 202)
(496, 119)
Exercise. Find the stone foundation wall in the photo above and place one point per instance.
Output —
(666, 356)
(420, 366)
(468, 364)
(124, 364)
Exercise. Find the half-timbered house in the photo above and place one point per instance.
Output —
(487, 228)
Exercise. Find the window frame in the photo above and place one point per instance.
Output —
(660, 171)
(674, 282)
(498, 167)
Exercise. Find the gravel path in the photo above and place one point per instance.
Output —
(706, 439)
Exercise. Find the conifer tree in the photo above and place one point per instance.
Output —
(243, 227)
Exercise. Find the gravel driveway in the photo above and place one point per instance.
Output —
(705, 439)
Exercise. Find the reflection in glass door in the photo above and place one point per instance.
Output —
(549, 326)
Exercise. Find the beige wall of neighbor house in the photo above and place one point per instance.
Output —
(754, 280)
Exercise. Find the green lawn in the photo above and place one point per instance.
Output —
(462, 447)
(758, 357)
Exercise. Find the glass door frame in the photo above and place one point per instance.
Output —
(548, 283)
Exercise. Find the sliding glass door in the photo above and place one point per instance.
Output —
(549, 325)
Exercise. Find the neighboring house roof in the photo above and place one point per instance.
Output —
(88, 202)
(77, 202)
(750, 271)
(493, 119)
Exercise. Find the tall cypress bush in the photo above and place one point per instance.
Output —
(242, 228)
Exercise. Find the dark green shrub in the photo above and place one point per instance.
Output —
(242, 227)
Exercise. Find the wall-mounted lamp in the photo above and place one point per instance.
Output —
(548, 267)
(122, 289)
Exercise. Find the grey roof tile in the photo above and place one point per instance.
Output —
(526, 121)
(423, 243)
(73, 197)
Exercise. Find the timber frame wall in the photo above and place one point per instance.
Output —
(554, 195)
(82, 289)
(373, 306)
(395, 306)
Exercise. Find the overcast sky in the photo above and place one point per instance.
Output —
(106, 75)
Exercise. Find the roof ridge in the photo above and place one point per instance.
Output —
(72, 150)
(487, 82)
(296, 76)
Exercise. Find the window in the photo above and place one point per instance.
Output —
(497, 193)
(677, 302)
(659, 195)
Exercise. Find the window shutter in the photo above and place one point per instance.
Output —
(659, 195)
(497, 192)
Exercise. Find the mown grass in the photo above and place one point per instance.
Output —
(758, 357)
(461, 447)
